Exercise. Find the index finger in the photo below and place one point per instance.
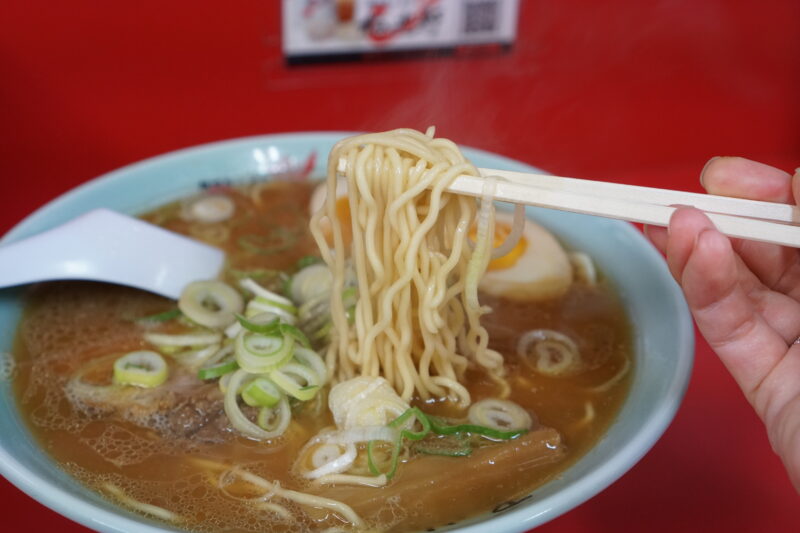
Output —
(777, 267)
(738, 177)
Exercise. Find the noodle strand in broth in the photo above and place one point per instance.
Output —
(417, 318)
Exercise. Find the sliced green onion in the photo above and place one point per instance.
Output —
(286, 285)
(314, 316)
(275, 420)
(407, 433)
(259, 291)
(233, 330)
(260, 305)
(295, 333)
(349, 297)
(223, 362)
(273, 327)
(349, 300)
(142, 368)
(263, 345)
(500, 415)
(312, 360)
(310, 283)
(183, 340)
(322, 333)
(329, 458)
(393, 462)
(194, 359)
(442, 429)
(314, 308)
(217, 370)
(261, 392)
(259, 354)
(224, 353)
(224, 380)
(164, 316)
(273, 303)
(431, 424)
(296, 380)
(307, 260)
(264, 323)
(210, 303)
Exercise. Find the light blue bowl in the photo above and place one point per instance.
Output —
(663, 334)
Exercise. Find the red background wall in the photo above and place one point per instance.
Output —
(628, 91)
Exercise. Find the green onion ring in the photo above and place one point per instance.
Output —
(285, 378)
(312, 360)
(260, 354)
(261, 392)
(272, 328)
(242, 423)
(143, 368)
(218, 369)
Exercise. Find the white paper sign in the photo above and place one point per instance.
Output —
(319, 28)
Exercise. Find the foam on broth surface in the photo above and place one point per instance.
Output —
(67, 324)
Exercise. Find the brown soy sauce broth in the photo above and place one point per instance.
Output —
(67, 324)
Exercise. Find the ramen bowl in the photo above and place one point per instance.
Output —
(661, 326)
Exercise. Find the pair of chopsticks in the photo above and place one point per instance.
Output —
(735, 217)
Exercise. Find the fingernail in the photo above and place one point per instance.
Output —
(703, 172)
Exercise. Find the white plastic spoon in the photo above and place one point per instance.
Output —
(103, 245)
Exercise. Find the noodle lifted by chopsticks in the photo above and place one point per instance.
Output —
(417, 319)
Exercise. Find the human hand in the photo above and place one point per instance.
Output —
(745, 297)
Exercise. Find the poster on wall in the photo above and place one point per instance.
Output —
(319, 30)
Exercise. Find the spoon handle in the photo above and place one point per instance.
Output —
(103, 245)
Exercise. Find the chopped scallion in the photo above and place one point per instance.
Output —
(431, 424)
(218, 369)
(164, 316)
(273, 328)
(407, 433)
(261, 392)
(298, 381)
(142, 368)
(442, 429)
(307, 260)
(259, 353)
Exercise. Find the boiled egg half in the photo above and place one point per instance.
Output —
(317, 202)
(537, 268)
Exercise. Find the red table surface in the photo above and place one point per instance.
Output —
(634, 92)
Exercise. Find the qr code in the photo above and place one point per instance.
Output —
(480, 16)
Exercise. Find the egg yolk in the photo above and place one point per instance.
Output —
(501, 232)
(343, 215)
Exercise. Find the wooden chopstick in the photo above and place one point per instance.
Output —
(634, 193)
(747, 219)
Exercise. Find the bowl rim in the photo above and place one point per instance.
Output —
(520, 518)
